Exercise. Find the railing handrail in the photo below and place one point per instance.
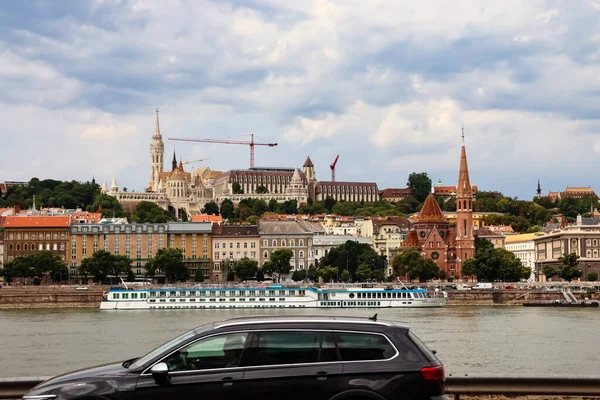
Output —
(11, 388)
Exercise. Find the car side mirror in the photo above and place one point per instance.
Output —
(160, 373)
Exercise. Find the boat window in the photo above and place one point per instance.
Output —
(363, 346)
(115, 295)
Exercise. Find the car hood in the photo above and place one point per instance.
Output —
(101, 372)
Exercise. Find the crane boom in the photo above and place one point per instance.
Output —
(250, 142)
(332, 166)
(195, 161)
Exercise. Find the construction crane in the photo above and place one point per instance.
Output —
(195, 161)
(251, 143)
(332, 166)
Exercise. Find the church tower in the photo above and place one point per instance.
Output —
(465, 240)
(157, 151)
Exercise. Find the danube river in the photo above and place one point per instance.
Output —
(471, 340)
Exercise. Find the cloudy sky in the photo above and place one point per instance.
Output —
(387, 85)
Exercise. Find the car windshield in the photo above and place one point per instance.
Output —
(156, 352)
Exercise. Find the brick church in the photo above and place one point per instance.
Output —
(431, 233)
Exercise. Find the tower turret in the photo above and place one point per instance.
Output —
(465, 240)
(157, 150)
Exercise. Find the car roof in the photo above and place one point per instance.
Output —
(308, 319)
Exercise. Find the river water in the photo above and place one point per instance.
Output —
(468, 340)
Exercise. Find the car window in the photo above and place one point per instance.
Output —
(363, 346)
(428, 353)
(276, 348)
(157, 352)
(223, 351)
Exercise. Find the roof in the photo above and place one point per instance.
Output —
(290, 228)
(190, 227)
(36, 221)
(500, 228)
(207, 218)
(431, 212)
(235, 230)
(336, 183)
(395, 192)
(308, 162)
(525, 237)
(411, 240)
(487, 233)
(87, 216)
(312, 319)
(401, 222)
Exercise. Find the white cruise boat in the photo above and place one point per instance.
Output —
(273, 296)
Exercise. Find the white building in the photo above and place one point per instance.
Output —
(523, 247)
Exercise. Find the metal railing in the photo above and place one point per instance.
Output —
(14, 388)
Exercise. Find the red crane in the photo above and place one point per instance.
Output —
(332, 166)
(251, 143)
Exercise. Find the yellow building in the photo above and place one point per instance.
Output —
(140, 242)
(232, 243)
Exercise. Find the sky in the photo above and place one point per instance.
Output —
(387, 85)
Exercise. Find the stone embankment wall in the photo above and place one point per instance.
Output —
(50, 297)
(501, 297)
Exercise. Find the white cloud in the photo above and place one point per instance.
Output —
(385, 83)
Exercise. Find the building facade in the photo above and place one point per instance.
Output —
(24, 235)
(140, 242)
(495, 238)
(232, 243)
(294, 235)
(523, 247)
(386, 235)
(583, 240)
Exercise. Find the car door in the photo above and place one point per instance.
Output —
(292, 365)
(207, 368)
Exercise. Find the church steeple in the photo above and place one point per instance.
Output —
(156, 134)
(157, 150)
(465, 239)
(174, 162)
(539, 190)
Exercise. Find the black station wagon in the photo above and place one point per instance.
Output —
(268, 358)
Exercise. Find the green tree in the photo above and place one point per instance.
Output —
(211, 208)
(130, 276)
(363, 273)
(97, 266)
(110, 206)
(345, 276)
(46, 263)
(351, 254)
(148, 212)
(298, 275)
(261, 189)
(199, 276)
(236, 188)
(245, 268)
(260, 275)
(227, 210)
(405, 261)
(420, 183)
(549, 271)
(272, 205)
(469, 267)
(569, 267)
(592, 277)
(279, 263)
(425, 270)
(329, 203)
(170, 262)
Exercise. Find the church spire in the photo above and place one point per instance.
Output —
(463, 189)
(539, 190)
(156, 127)
(174, 162)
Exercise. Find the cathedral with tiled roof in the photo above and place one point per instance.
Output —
(448, 246)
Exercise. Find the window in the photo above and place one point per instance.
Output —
(276, 348)
(363, 346)
(274, 242)
(283, 242)
(301, 242)
(223, 351)
(292, 243)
